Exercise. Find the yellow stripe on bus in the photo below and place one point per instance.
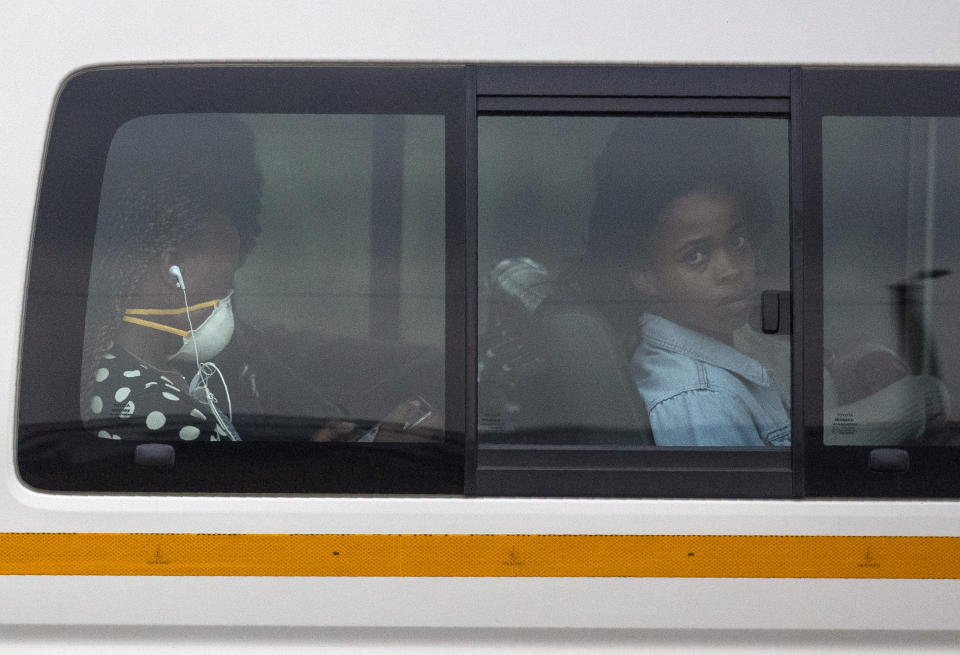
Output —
(480, 555)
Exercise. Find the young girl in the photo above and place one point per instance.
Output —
(698, 286)
(678, 209)
(674, 233)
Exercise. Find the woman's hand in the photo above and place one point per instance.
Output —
(336, 429)
(415, 420)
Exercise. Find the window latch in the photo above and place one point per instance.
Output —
(775, 312)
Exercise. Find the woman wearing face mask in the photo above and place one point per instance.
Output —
(178, 214)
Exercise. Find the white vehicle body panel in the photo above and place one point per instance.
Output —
(44, 42)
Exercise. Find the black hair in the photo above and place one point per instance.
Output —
(647, 163)
(165, 175)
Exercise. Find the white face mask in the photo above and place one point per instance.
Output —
(210, 337)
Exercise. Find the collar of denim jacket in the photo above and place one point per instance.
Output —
(667, 335)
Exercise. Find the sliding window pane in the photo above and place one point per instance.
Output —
(891, 246)
(622, 262)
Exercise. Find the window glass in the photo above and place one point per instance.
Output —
(621, 263)
(267, 277)
(891, 244)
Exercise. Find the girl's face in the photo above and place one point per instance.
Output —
(701, 272)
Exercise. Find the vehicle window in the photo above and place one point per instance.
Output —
(249, 301)
(622, 262)
(890, 252)
(275, 279)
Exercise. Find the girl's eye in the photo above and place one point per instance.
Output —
(738, 243)
(694, 257)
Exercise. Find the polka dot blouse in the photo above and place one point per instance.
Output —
(134, 401)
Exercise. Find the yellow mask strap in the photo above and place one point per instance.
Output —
(171, 312)
(130, 316)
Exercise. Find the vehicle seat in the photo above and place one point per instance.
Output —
(588, 375)
(573, 383)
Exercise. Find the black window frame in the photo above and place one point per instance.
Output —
(54, 305)
(845, 471)
(55, 452)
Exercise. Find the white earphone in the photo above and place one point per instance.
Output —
(175, 272)
(199, 389)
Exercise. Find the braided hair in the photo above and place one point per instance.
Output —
(165, 175)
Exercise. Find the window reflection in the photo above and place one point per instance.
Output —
(889, 302)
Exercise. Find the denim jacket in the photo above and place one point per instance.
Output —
(701, 392)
